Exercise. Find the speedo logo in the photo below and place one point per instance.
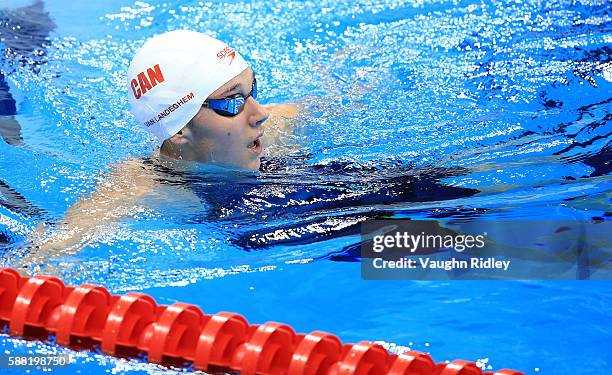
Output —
(227, 52)
(143, 83)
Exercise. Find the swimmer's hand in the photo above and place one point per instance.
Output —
(47, 242)
(30, 257)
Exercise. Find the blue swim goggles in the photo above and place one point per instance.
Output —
(231, 105)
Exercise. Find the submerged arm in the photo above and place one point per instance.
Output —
(113, 199)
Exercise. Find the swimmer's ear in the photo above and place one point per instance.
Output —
(182, 137)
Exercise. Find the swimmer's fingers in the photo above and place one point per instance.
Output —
(31, 257)
(37, 261)
(18, 257)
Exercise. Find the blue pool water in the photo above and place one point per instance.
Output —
(478, 110)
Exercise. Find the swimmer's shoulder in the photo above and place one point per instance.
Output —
(132, 177)
(286, 110)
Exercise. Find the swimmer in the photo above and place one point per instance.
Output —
(197, 97)
(24, 33)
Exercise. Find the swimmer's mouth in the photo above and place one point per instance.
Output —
(256, 146)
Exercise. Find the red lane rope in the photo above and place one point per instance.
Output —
(133, 323)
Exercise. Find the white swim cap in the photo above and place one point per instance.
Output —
(173, 73)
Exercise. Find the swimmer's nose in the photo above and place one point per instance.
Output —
(258, 114)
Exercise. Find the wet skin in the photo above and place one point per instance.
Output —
(232, 142)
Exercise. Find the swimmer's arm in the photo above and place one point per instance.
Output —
(126, 183)
(113, 199)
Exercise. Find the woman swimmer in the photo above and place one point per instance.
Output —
(197, 96)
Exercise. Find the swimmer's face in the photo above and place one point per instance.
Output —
(228, 141)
